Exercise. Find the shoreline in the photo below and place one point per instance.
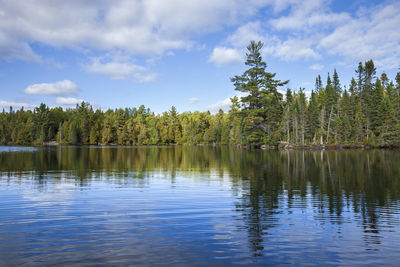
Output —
(245, 147)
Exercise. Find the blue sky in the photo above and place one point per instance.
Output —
(182, 53)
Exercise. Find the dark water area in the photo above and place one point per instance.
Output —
(185, 206)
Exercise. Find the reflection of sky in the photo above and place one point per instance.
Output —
(16, 148)
(202, 218)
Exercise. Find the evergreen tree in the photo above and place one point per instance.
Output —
(367, 114)
(312, 118)
(336, 85)
(262, 104)
(390, 129)
(377, 112)
(345, 119)
(359, 121)
(301, 100)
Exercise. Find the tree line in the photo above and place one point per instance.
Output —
(367, 113)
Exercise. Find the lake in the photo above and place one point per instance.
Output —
(193, 205)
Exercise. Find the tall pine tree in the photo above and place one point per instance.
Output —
(262, 104)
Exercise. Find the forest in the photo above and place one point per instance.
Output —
(364, 113)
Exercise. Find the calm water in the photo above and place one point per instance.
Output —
(198, 206)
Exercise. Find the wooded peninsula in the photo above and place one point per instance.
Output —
(365, 114)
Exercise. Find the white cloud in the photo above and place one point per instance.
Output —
(316, 67)
(113, 69)
(245, 33)
(68, 101)
(65, 87)
(310, 30)
(372, 34)
(149, 27)
(225, 56)
(194, 100)
(289, 50)
(7, 104)
(305, 15)
(297, 30)
(13, 49)
(145, 77)
(223, 104)
(280, 5)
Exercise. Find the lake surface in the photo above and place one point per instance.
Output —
(199, 206)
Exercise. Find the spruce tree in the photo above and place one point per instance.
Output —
(390, 129)
(378, 106)
(312, 117)
(336, 85)
(345, 117)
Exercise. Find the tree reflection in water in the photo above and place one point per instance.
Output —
(268, 184)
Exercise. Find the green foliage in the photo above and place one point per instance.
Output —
(262, 108)
(368, 113)
(312, 117)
